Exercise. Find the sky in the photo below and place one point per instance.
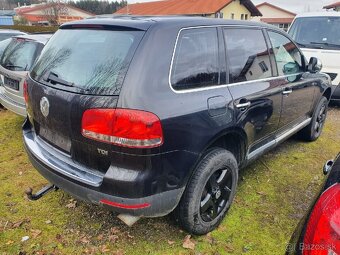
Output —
(297, 6)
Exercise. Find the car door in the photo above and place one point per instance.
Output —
(257, 96)
(297, 88)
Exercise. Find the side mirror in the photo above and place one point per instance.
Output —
(290, 68)
(328, 166)
(314, 65)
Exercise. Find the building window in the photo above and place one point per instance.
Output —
(246, 16)
(232, 16)
(219, 15)
(284, 27)
(242, 16)
(263, 66)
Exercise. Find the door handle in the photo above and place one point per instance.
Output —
(243, 105)
(287, 91)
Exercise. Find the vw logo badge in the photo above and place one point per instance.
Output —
(44, 106)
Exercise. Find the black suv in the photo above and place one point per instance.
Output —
(149, 115)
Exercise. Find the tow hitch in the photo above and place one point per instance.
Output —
(40, 193)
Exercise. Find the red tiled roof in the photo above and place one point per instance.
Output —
(183, 7)
(277, 20)
(332, 6)
(27, 9)
(39, 18)
(276, 7)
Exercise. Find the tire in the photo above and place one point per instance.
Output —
(313, 131)
(216, 165)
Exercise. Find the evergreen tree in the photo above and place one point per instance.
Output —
(98, 7)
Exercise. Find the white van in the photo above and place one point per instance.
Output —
(318, 35)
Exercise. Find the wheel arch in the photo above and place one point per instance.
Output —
(234, 140)
(327, 93)
(225, 140)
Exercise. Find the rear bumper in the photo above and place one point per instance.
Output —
(10, 104)
(155, 205)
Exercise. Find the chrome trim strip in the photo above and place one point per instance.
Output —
(222, 85)
(279, 139)
(293, 130)
(49, 158)
(262, 148)
(4, 97)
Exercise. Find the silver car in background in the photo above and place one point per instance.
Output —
(8, 33)
(16, 61)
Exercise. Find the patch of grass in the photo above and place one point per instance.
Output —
(273, 195)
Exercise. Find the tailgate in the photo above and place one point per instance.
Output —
(56, 116)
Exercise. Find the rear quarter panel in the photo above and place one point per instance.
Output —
(185, 118)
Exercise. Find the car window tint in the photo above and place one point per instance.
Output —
(287, 55)
(317, 31)
(248, 55)
(196, 61)
(94, 60)
(4, 36)
(19, 55)
(3, 45)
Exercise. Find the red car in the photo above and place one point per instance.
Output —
(319, 231)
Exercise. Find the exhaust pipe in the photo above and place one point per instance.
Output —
(128, 219)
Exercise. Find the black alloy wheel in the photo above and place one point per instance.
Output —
(209, 192)
(320, 120)
(216, 194)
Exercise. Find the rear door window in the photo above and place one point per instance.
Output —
(95, 61)
(19, 55)
(248, 55)
(196, 60)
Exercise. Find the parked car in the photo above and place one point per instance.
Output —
(8, 33)
(3, 45)
(318, 35)
(145, 115)
(319, 231)
(16, 60)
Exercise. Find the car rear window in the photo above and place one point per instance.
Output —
(19, 55)
(95, 61)
(3, 45)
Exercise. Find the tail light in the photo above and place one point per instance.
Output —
(322, 235)
(25, 89)
(123, 127)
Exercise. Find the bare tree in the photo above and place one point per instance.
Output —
(55, 10)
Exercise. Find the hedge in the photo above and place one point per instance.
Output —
(31, 29)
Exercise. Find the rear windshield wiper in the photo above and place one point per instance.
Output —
(326, 44)
(53, 78)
